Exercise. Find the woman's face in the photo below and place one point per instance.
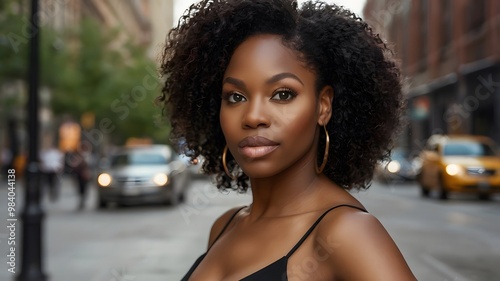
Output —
(269, 112)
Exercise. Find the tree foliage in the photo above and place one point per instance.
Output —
(88, 72)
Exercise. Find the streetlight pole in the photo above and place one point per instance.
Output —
(32, 216)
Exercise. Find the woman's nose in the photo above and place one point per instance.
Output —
(256, 115)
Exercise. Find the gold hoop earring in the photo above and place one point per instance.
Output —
(325, 156)
(225, 165)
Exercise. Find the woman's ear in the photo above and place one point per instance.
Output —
(325, 105)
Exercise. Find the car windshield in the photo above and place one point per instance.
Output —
(138, 159)
(468, 148)
(399, 154)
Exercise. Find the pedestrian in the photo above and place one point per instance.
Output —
(51, 168)
(296, 105)
(82, 173)
(6, 158)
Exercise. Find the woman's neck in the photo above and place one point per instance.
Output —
(291, 192)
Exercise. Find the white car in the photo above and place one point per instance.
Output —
(142, 174)
(397, 168)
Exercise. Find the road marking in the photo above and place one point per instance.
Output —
(444, 269)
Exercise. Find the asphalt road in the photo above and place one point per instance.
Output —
(455, 240)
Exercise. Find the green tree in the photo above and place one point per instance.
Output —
(85, 73)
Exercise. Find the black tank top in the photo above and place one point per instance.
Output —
(276, 270)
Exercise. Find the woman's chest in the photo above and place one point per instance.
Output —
(238, 255)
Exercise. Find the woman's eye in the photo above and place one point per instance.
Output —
(283, 95)
(235, 97)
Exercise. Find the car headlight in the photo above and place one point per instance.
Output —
(160, 179)
(453, 169)
(104, 179)
(393, 166)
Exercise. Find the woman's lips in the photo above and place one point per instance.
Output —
(256, 146)
(256, 151)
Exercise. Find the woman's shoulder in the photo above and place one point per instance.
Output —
(348, 222)
(356, 239)
(221, 222)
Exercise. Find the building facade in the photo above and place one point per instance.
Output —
(143, 22)
(449, 51)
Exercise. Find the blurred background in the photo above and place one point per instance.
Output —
(120, 204)
(98, 71)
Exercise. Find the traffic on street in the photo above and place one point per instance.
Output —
(131, 132)
(453, 240)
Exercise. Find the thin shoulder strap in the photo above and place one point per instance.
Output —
(316, 223)
(225, 226)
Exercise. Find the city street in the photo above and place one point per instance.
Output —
(111, 91)
(455, 240)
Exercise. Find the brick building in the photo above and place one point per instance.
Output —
(449, 51)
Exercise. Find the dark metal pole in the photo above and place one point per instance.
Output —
(32, 216)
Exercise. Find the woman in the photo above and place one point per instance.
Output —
(299, 105)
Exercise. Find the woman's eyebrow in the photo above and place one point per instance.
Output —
(275, 78)
(283, 75)
(237, 82)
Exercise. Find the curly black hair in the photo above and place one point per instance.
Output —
(343, 51)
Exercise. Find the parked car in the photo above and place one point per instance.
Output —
(194, 167)
(460, 163)
(397, 168)
(142, 174)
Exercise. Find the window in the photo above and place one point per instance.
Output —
(447, 25)
(424, 23)
(476, 14)
(468, 149)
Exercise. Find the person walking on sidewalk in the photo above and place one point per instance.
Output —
(51, 167)
(82, 173)
(6, 157)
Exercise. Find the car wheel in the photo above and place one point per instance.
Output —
(424, 189)
(484, 196)
(182, 197)
(173, 200)
(102, 204)
(443, 193)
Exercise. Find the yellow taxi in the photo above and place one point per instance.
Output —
(459, 163)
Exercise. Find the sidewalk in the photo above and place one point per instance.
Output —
(143, 243)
